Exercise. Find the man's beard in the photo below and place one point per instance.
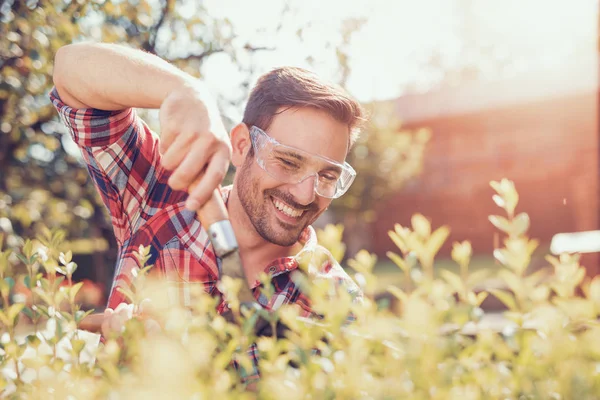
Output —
(256, 205)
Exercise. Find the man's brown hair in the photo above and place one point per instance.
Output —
(292, 87)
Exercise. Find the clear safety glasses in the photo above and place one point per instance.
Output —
(291, 165)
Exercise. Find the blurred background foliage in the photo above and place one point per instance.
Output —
(42, 180)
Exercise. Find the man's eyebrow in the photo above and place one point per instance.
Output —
(300, 157)
(291, 153)
(333, 168)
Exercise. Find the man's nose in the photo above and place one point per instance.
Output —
(304, 192)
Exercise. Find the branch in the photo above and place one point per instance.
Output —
(210, 52)
(150, 45)
(252, 49)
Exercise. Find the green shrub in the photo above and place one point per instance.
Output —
(433, 347)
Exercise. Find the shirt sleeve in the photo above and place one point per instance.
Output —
(123, 160)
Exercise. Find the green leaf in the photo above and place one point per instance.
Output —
(520, 224)
(509, 196)
(248, 325)
(52, 340)
(505, 297)
(46, 234)
(59, 296)
(59, 329)
(29, 312)
(27, 282)
(512, 280)
(398, 261)
(4, 319)
(57, 283)
(501, 223)
(65, 315)
(594, 291)
(80, 315)
(536, 277)
(421, 225)
(28, 249)
(43, 310)
(13, 311)
(437, 239)
(43, 295)
(4, 288)
(540, 294)
(65, 258)
(397, 293)
(58, 238)
(58, 365)
(78, 345)
(363, 262)
(453, 280)
(478, 276)
(33, 341)
(4, 264)
(44, 284)
(398, 241)
(74, 290)
(481, 296)
(10, 281)
(32, 259)
(23, 259)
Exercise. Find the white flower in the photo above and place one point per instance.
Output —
(42, 253)
(70, 268)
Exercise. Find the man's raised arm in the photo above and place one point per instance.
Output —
(112, 77)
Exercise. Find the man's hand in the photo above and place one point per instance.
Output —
(114, 320)
(194, 143)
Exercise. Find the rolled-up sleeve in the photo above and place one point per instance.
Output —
(123, 160)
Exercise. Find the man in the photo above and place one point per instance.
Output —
(289, 152)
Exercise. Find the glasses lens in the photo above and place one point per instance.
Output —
(291, 165)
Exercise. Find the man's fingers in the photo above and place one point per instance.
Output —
(176, 152)
(167, 137)
(215, 172)
(116, 323)
(105, 326)
(191, 166)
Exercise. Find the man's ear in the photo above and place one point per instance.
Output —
(241, 143)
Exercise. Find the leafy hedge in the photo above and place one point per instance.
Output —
(433, 347)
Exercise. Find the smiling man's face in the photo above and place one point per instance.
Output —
(281, 211)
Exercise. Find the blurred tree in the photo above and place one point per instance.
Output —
(42, 181)
(385, 157)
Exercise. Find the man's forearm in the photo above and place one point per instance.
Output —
(113, 77)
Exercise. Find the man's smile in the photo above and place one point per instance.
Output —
(289, 212)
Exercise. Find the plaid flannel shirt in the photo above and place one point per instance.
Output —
(123, 160)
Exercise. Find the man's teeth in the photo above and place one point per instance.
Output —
(287, 210)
